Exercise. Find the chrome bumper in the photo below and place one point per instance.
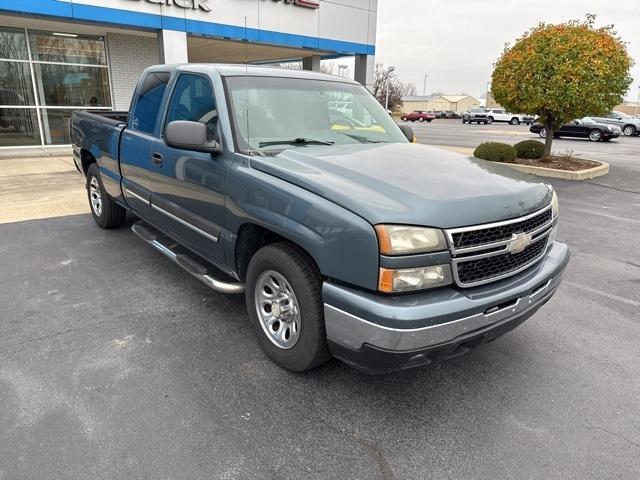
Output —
(353, 331)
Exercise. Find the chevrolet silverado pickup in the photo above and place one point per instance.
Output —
(347, 239)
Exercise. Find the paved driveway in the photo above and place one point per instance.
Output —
(116, 364)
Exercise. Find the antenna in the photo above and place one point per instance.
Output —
(246, 77)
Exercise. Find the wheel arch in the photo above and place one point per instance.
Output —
(86, 159)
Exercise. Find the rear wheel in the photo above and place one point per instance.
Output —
(629, 130)
(106, 212)
(404, 119)
(284, 301)
(421, 119)
(543, 132)
(595, 135)
(514, 121)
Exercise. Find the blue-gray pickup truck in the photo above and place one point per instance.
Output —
(347, 238)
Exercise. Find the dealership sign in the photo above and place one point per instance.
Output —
(302, 3)
(203, 4)
(187, 4)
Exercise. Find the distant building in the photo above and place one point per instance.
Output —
(455, 103)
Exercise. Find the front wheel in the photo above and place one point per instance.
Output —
(489, 120)
(514, 121)
(421, 119)
(284, 301)
(106, 212)
(543, 132)
(595, 135)
(629, 130)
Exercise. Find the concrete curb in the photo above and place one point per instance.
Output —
(585, 174)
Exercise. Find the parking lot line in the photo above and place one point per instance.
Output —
(595, 291)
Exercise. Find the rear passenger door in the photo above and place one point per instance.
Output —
(189, 187)
(137, 139)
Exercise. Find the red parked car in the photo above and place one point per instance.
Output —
(419, 115)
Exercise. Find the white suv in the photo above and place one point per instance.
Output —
(500, 115)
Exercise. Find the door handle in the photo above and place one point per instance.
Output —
(156, 158)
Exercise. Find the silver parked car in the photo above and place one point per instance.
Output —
(628, 124)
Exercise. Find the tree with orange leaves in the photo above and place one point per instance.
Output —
(561, 72)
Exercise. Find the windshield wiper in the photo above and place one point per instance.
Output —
(295, 141)
(362, 138)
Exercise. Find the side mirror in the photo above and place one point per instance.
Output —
(190, 136)
(408, 132)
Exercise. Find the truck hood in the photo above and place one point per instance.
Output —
(409, 183)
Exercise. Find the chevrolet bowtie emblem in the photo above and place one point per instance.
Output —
(519, 242)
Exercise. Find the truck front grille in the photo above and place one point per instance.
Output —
(490, 267)
(487, 253)
(496, 233)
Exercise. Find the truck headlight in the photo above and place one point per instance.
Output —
(406, 239)
(409, 279)
(555, 206)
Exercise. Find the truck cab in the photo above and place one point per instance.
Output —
(298, 190)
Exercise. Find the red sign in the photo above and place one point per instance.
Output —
(302, 3)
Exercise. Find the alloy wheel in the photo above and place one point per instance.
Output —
(95, 196)
(278, 309)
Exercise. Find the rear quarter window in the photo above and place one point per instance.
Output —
(148, 101)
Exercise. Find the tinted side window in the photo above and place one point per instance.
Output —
(193, 100)
(147, 106)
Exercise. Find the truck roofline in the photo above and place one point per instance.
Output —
(237, 70)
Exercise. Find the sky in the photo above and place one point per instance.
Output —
(456, 42)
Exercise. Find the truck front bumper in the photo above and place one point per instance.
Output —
(377, 334)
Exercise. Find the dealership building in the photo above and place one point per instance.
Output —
(57, 56)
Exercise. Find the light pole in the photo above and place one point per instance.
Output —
(389, 72)
(424, 85)
(342, 68)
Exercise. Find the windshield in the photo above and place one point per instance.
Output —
(622, 115)
(272, 113)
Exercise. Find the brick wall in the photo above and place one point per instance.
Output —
(129, 55)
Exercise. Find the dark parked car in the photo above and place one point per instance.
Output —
(478, 115)
(419, 115)
(581, 128)
(347, 239)
(451, 114)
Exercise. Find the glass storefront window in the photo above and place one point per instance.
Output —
(70, 72)
(13, 44)
(15, 84)
(71, 86)
(56, 125)
(18, 127)
(67, 48)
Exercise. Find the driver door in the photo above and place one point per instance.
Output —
(189, 187)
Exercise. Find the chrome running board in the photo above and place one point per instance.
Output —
(184, 259)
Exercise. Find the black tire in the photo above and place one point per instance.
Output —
(629, 130)
(490, 120)
(310, 350)
(514, 121)
(543, 132)
(485, 122)
(464, 121)
(109, 214)
(421, 119)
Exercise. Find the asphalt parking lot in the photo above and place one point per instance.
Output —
(114, 363)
